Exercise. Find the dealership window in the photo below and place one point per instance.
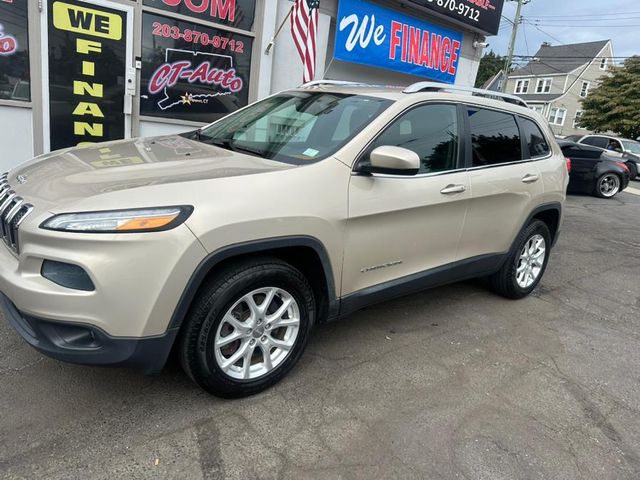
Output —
(522, 86)
(196, 70)
(604, 63)
(576, 121)
(495, 137)
(584, 90)
(533, 136)
(557, 116)
(544, 85)
(431, 131)
(14, 51)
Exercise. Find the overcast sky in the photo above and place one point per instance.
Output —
(572, 21)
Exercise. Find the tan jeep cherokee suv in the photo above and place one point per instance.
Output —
(229, 243)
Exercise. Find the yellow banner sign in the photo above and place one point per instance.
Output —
(89, 21)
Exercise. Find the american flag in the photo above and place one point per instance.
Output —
(304, 28)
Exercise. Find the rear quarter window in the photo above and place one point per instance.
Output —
(534, 138)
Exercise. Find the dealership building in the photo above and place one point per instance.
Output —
(74, 72)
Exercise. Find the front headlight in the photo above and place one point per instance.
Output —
(120, 221)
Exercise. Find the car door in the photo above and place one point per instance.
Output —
(584, 161)
(403, 225)
(505, 181)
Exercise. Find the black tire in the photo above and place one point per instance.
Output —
(216, 297)
(504, 282)
(598, 192)
(633, 170)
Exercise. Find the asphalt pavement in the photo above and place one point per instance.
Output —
(450, 383)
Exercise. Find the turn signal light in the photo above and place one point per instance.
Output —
(147, 223)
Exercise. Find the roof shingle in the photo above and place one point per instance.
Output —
(560, 59)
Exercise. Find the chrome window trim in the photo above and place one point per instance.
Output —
(459, 170)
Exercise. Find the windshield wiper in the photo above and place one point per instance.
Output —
(249, 150)
(228, 144)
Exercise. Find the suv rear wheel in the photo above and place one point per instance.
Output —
(247, 328)
(525, 265)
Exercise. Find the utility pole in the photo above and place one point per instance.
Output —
(514, 34)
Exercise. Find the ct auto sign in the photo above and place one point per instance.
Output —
(380, 37)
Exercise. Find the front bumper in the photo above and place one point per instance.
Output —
(88, 345)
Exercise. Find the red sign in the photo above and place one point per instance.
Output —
(235, 13)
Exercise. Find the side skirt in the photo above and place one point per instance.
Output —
(436, 277)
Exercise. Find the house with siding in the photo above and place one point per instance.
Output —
(558, 78)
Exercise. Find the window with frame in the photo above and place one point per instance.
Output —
(533, 136)
(577, 119)
(604, 63)
(537, 108)
(495, 137)
(600, 142)
(522, 86)
(584, 90)
(544, 85)
(14, 51)
(557, 116)
(431, 131)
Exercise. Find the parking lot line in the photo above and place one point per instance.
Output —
(635, 191)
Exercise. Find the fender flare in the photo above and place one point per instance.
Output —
(244, 248)
(546, 207)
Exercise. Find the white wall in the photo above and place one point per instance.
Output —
(16, 136)
(152, 129)
(287, 67)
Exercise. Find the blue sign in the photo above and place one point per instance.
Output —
(383, 38)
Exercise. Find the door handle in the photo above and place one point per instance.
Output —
(530, 178)
(449, 189)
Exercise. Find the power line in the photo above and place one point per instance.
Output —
(591, 15)
(585, 26)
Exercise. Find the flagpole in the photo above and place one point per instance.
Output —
(270, 45)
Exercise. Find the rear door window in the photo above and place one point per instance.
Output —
(534, 138)
(599, 142)
(495, 137)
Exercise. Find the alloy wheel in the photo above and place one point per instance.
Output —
(531, 261)
(257, 333)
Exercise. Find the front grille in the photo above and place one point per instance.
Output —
(13, 210)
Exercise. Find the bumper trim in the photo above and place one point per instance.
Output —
(88, 345)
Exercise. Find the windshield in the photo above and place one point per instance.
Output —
(295, 127)
(631, 147)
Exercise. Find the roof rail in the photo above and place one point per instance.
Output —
(440, 87)
(316, 83)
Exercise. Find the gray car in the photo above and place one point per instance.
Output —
(630, 149)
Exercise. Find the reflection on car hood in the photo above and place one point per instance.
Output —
(81, 172)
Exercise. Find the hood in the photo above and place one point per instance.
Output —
(81, 172)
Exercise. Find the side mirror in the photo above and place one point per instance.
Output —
(392, 160)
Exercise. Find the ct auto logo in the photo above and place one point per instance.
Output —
(22, 179)
(185, 70)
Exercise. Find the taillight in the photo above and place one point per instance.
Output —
(622, 165)
(568, 164)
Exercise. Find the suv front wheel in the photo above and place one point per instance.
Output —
(525, 265)
(247, 328)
